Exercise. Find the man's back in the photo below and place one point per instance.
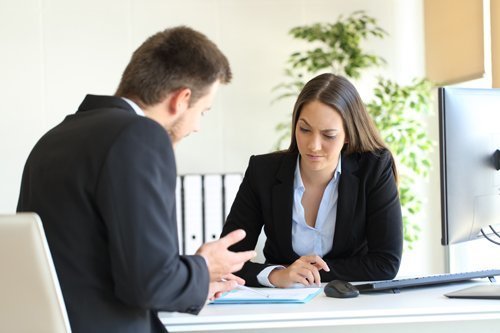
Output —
(103, 182)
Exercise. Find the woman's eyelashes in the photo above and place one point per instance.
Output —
(327, 136)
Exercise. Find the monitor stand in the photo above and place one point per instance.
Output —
(484, 291)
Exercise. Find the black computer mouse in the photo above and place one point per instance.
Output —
(340, 289)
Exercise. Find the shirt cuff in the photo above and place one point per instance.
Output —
(263, 276)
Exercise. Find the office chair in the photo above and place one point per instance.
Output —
(30, 296)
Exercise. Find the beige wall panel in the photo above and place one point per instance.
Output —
(454, 42)
(495, 42)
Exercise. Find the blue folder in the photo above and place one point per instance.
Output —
(268, 295)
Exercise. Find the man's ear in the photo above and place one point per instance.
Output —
(179, 101)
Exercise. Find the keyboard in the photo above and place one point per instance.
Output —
(395, 285)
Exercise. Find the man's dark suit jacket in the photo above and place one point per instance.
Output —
(368, 238)
(103, 182)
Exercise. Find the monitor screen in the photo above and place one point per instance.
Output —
(469, 139)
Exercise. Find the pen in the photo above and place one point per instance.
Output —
(241, 287)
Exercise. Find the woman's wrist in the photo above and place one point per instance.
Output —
(275, 277)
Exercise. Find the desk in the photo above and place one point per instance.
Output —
(421, 310)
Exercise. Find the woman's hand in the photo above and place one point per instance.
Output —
(304, 270)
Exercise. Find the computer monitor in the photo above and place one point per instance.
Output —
(469, 122)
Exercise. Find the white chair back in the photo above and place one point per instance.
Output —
(30, 296)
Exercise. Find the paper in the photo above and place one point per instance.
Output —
(274, 295)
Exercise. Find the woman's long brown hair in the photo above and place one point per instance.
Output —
(337, 92)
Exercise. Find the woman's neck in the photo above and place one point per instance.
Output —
(319, 178)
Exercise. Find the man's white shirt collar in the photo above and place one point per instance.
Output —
(134, 106)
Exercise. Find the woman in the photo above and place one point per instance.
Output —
(329, 204)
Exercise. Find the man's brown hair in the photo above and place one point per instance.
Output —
(173, 59)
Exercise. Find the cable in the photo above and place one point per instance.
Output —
(491, 240)
(494, 231)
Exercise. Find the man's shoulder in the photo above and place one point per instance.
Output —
(103, 126)
(95, 102)
(111, 116)
(112, 109)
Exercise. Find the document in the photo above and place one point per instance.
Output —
(268, 295)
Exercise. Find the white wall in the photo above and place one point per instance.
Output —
(56, 51)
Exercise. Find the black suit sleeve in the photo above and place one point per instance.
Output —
(136, 198)
(379, 255)
(246, 214)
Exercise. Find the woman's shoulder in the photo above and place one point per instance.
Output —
(371, 161)
(273, 163)
(274, 157)
(378, 156)
(375, 156)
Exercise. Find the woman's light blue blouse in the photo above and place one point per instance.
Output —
(308, 240)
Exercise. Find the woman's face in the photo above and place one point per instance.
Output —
(320, 137)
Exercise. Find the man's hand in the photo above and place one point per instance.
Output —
(228, 283)
(304, 270)
(220, 260)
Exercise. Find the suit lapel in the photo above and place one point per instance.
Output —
(282, 203)
(347, 200)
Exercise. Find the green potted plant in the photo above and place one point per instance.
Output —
(398, 111)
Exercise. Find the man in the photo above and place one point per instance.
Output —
(103, 182)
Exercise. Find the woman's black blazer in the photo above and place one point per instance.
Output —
(368, 238)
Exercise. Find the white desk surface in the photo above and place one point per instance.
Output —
(411, 310)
